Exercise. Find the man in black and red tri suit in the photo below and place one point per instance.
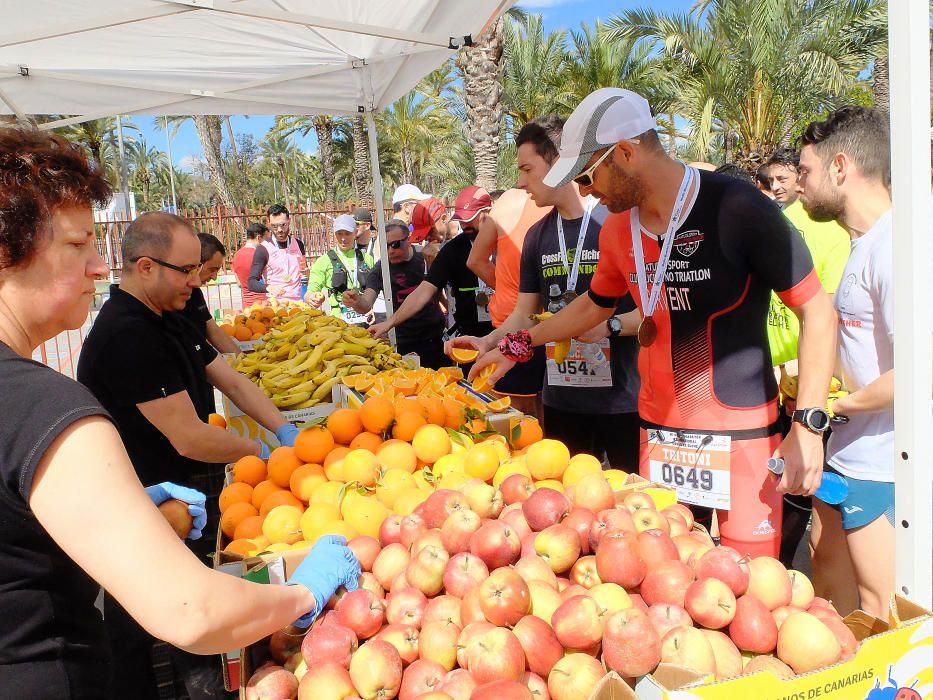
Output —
(700, 253)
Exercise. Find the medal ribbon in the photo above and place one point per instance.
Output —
(650, 301)
(573, 273)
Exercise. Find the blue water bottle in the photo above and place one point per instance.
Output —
(833, 487)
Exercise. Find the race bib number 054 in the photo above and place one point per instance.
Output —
(693, 464)
(586, 365)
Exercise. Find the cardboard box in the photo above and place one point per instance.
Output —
(245, 426)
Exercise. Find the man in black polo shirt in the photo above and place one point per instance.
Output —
(469, 298)
(153, 372)
(213, 254)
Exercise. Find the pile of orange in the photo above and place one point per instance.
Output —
(254, 322)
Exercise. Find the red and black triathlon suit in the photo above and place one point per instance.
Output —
(709, 370)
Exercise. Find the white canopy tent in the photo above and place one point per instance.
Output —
(358, 56)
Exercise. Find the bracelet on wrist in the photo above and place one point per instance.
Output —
(516, 346)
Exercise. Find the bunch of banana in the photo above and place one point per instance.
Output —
(299, 362)
(788, 387)
(561, 347)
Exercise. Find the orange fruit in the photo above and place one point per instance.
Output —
(377, 414)
(256, 326)
(407, 424)
(217, 419)
(397, 454)
(250, 470)
(227, 328)
(409, 499)
(263, 489)
(463, 355)
(242, 333)
(435, 409)
(313, 444)
(499, 405)
(547, 459)
(279, 498)
(233, 493)
(234, 515)
(281, 524)
(267, 312)
(366, 516)
(526, 432)
(450, 374)
(257, 336)
(333, 465)
(318, 514)
(282, 462)
(338, 527)
(581, 465)
(305, 479)
(248, 528)
(431, 442)
(453, 413)
(366, 441)
(360, 466)
(240, 546)
(404, 403)
(481, 381)
(481, 461)
(344, 424)
(328, 492)
(391, 484)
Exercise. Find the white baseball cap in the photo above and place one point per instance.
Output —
(603, 118)
(406, 192)
(345, 222)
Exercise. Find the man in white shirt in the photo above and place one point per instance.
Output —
(845, 176)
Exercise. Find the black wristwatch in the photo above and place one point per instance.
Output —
(816, 420)
(614, 325)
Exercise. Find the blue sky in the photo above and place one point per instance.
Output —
(557, 14)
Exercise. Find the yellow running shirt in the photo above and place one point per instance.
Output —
(829, 246)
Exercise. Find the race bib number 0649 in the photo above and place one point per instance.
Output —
(693, 464)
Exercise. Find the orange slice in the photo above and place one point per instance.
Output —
(464, 355)
(481, 381)
(499, 405)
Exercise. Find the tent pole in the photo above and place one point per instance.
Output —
(908, 45)
(171, 166)
(124, 178)
(379, 206)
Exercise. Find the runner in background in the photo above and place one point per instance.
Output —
(429, 228)
(243, 261)
(404, 200)
(502, 235)
(763, 181)
(342, 268)
(716, 248)
(279, 264)
(590, 396)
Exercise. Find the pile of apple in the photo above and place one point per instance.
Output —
(517, 592)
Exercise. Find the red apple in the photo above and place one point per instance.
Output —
(577, 623)
(514, 517)
(464, 571)
(334, 643)
(327, 681)
(496, 544)
(822, 603)
(362, 612)
(780, 614)
(376, 670)
(502, 690)
(540, 643)
(655, 546)
(847, 641)
(537, 685)
(405, 606)
(682, 510)
(422, 676)
(689, 548)
(273, 682)
(768, 581)
(631, 645)
(581, 520)
(458, 529)
(528, 545)
(443, 608)
(726, 655)
(426, 570)
(390, 562)
(483, 499)
(366, 550)
(404, 638)
(753, 628)
(610, 520)
(468, 635)
(666, 617)
(429, 538)
(766, 662)
(638, 602)
(646, 519)
(440, 504)
(727, 565)
(391, 530)
(470, 610)
(594, 493)
(572, 590)
(504, 597)
(558, 545)
(516, 488)
(545, 507)
(369, 581)
(618, 561)
(667, 582)
(458, 684)
(710, 603)
(439, 643)
(584, 572)
(638, 500)
(689, 647)
(676, 526)
(805, 643)
(574, 677)
(411, 528)
(494, 655)
(544, 600)
(611, 598)
(801, 589)
(284, 644)
(534, 568)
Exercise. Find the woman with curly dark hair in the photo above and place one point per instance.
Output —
(73, 515)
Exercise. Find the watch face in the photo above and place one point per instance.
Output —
(818, 419)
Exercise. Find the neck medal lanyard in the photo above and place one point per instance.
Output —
(573, 271)
(648, 328)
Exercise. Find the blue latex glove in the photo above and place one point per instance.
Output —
(329, 565)
(263, 449)
(160, 493)
(287, 434)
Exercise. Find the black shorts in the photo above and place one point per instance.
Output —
(525, 378)
(615, 435)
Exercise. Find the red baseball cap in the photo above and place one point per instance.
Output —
(423, 218)
(470, 202)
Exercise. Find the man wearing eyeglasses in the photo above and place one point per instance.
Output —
(700, 253)
(213, 254)
(155, 374)
(279, 267)
(421, 332)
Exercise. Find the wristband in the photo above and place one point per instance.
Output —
(516, 346)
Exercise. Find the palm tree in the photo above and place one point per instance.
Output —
(323, 127)
(209, 134)
(533, 64)
(279, 151)
(362, 176)
(146, 163)
(409, 123)
(96, 137)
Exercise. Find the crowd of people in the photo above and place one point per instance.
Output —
(685, 289)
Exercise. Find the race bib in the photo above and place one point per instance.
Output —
(482, 314)
(587, 365)
(352, 317)
(696, 465)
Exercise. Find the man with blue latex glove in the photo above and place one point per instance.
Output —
(287, 434)
(329, 565)
(264, 450)
(160, 493)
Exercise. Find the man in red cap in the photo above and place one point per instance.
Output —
(469, 298)
(429, 227)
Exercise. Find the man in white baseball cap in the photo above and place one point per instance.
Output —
(343, 268)
(404, 200)
(700, 252)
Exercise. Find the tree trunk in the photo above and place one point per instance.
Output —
(362, 175)
(481, 65)
(728, 145)
(280, 164)
(214, 164)
(672, 137)
(880, 87)
(787, 124)
(324, 129)
(232, 137)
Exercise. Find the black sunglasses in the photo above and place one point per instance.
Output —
(395, 245)
(186, 270)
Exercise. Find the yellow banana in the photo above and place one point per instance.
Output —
(286, 400)
(330, 370)
(354, 348)
(541, 317)
(334, 353)
(305, 404)
(561, 350)
(366, 340)
(788, 384)
(324, 389)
